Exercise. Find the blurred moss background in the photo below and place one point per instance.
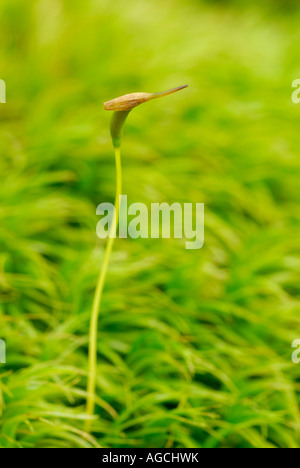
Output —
(194, 346)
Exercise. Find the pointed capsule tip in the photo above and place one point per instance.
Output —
(167, 93)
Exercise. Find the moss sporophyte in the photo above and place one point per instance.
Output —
(121, 108)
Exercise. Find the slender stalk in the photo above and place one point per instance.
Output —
(121, 107)
(92, 364)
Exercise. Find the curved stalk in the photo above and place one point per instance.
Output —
(92, 364)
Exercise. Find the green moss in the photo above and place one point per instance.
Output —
(194, 349)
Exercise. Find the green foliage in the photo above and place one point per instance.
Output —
(194, 346)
